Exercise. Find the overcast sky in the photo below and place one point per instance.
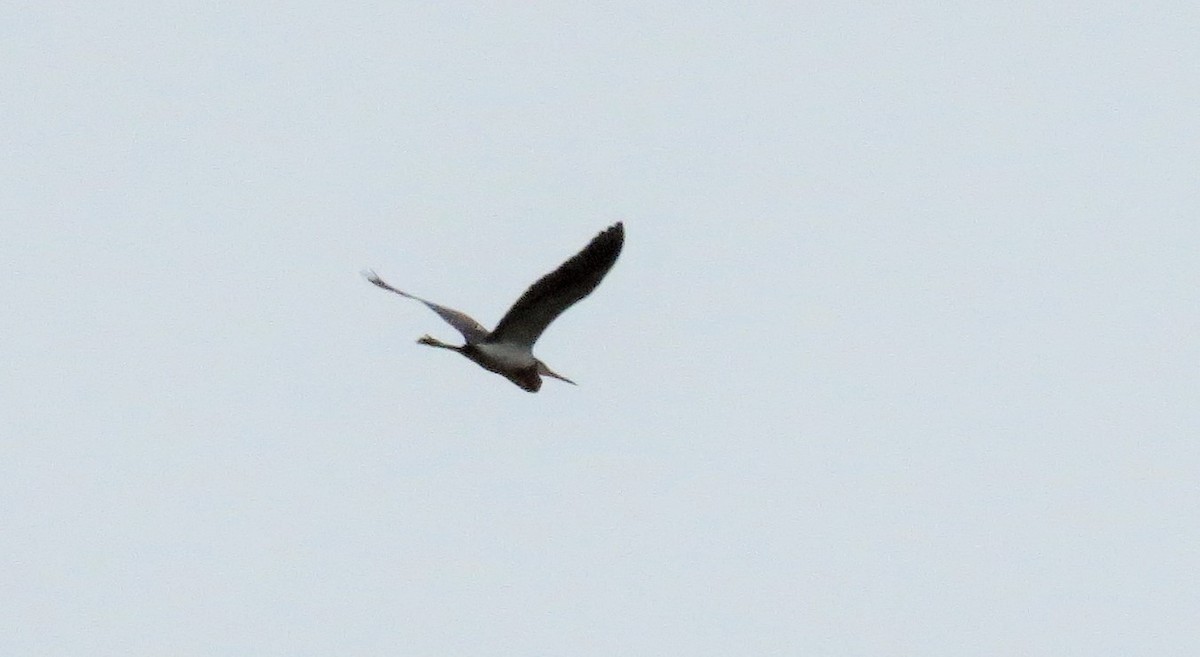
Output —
(900, 358)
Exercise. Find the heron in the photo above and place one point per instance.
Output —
(508, 350)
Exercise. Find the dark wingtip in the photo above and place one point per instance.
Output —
(612, 238)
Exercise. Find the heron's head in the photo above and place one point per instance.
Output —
(528, 380)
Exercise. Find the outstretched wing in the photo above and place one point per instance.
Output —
(471, 330)
(560, 289)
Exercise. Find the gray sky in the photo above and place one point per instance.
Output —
(901, 356)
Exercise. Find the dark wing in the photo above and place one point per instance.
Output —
(471, 330)
(560, 289)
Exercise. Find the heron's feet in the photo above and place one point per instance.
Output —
(374, 278)
(434, 342)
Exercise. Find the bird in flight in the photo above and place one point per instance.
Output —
(508, 350)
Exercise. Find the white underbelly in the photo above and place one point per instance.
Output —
(506, 356)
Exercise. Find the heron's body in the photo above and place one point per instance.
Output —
(508, 350)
